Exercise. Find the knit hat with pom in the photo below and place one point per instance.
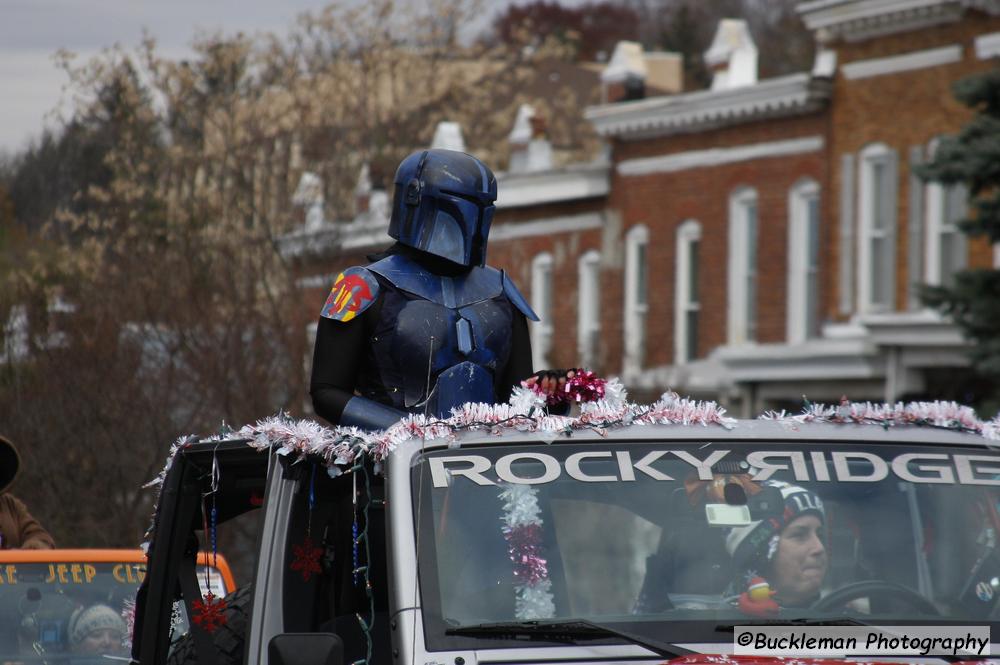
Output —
(753, 546)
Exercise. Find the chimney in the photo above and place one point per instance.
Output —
(519, 138)
(530, 149)
(665, 72)
(309, 195)
(448, 135)
(732, 55)
(625, 76)
(362, 190)
(539, 149)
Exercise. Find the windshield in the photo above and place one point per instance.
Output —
(706, 534)
(75, 611)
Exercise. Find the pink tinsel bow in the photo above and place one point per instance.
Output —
(584, 386)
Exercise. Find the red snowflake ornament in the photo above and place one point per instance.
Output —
(306, 559)
(209, 612)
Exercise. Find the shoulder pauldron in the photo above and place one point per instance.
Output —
(353, 292)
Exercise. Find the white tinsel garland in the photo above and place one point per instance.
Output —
(342, 447)
(523, 528)
(945, 415)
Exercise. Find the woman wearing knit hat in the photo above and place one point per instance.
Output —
(782, 560)
(96, 630)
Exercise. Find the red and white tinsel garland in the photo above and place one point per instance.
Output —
(522, 528)
(945, 415)
(342, 447)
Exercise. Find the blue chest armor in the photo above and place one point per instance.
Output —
(440, 341)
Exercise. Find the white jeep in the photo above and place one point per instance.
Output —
(547, 540)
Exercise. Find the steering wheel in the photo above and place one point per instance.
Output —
(871, 588)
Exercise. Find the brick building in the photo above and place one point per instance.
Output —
(754, 242)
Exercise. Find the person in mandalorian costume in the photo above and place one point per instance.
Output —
(428, 325)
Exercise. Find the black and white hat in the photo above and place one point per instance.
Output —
(753, 545)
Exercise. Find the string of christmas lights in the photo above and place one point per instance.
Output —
(362, 542)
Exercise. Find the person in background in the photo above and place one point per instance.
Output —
(781, 561)
(18, 529)
(96, 630)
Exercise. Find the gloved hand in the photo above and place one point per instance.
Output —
(549, 382)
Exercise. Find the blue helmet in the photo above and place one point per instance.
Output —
(443, 205)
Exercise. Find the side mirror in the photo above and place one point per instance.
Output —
(305, 649)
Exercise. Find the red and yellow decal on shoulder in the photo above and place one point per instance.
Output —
(353, 292)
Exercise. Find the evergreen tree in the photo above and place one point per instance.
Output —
(972, 158)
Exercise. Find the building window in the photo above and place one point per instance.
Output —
(541, 301)
(687, 304)
(803, 262)
(742, 316)
(946, 248)
(877, 219)
(589, 310)
(636, 296)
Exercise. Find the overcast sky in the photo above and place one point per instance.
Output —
(31, 31)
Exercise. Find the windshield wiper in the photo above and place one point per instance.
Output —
(838, 621)
(563, 630)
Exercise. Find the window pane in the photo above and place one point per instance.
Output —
(879, 290)
(954, 202)
(691, 321)
(812, 210)
(812, 305)
(546, 276)
(953, 256)
(640, 269)
(878, 193)
(812, 269)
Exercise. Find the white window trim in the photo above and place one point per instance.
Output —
(737, 305)
(541, 330)
(935, 221)
(798, 252)
(687, 233)
(588, 323)
(935, 207)
(869, 156)
(635, 314)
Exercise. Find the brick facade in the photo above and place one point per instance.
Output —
(660, 174)
(901, 109)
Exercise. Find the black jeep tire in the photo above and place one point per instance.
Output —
(229, 639)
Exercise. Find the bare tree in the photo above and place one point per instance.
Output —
(157, 304)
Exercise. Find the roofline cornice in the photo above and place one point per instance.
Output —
(580, 181)
(706, 109)
(855, 20)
